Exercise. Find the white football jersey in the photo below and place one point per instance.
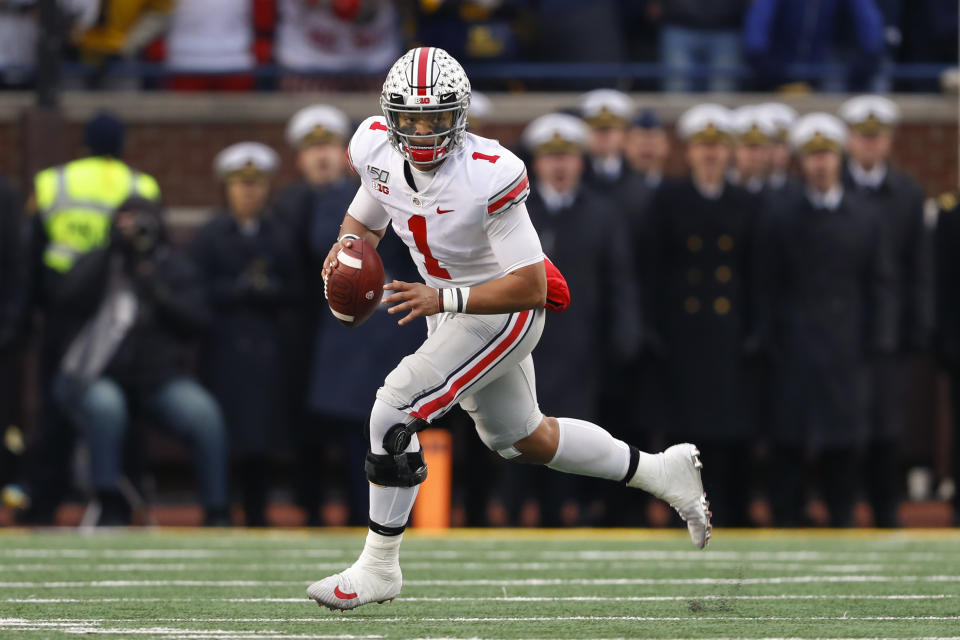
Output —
(468, 226)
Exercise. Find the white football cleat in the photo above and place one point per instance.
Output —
(360, 584)
(677, 481)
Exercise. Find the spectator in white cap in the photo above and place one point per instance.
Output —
(318, 135)
(247, 264)
(782, 117)
(558, 142)
(871, 120)
(825, 307)
(898, 201)
(311, 209)
(707, 129)
(245, 160)
(246, 169)
(695, 263)
(608, 112)
(578, 226)
(753, 135)
(818, 139)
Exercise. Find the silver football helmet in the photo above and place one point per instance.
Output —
(426, 80)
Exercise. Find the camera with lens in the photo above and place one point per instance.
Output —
(137, 225)
(144, 233)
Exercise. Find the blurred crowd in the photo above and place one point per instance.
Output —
(225, 45)
(765, 305)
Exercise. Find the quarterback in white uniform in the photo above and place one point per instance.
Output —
(457, 201)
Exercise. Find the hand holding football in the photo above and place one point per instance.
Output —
(354, 286)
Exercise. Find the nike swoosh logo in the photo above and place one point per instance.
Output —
(342, 595)
(439, 210)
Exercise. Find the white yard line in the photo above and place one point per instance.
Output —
(457, 566)
(724, 638)
(94, 627)
(508, 582)
(594, 555)
(337, 619)
(304, 599)
(192, 634)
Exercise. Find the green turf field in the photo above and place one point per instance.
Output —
(485, 584)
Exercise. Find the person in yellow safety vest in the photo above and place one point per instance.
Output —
(76, 200)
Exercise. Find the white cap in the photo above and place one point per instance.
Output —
(869, 114)
(480, 106)
(316, 124)
(246, 158)
(782, 116)
(818, 132)
(706, 122)
(556, 133)
(752, 125)
(606, 108)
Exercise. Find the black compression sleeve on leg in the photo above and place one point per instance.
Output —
(385, 531)
(634, 463)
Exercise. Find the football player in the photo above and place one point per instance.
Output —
(457, 201)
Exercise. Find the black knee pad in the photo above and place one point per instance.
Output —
(400, 470)
(398, 437)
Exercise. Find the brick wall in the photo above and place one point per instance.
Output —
(180, 155)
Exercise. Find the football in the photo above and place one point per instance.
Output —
(354, 288)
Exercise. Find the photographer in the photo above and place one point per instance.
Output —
(133, 307)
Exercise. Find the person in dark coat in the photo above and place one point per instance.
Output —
(608, 112)
(827, 311)
(317, 133)
(647, 147)
(897, 201)
(323, 190)
(607, 171)
(782, 117)
(697, 255)
(131, 311)
(947, 342)
(584, 234)
(248, 266)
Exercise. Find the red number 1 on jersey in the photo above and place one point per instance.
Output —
(482, 156)
(418, 226)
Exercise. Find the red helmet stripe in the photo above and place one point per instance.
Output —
(424, 54)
